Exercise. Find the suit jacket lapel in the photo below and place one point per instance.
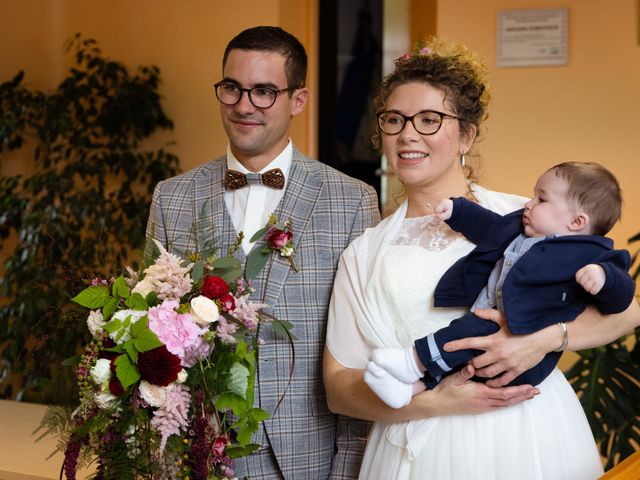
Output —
(215, 230)
(298, 203)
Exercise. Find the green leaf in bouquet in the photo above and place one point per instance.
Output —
(238, 380)
(120, 288)
(231, 276)
(252, 377)
(130, 348)
(109, 307)
(259, 414)
(259, 234)
(226, 263)
(237, 451)
(113, 325)
(230, 400)
(241, 350)
(244, 431)
(126, 371)
(256, 260)
(136, 302)
(254, 417)
(283, 328)
(152, 299)
(143, 338)
(197, 272)
(92, 297)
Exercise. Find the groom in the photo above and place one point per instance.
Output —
(263, 87)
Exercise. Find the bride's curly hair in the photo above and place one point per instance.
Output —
(451, 68)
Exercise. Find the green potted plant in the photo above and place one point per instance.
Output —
(80, 213)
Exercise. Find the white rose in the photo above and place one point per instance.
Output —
(182, 376)
(103, 399)
(154, 395)
(122, 316)
(204, 311)
(143, 287)
(95, 322)
(101, 371)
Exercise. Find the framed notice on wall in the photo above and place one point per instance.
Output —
(532, 37)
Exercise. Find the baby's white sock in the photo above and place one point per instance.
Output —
(391, 391)
(399, 362)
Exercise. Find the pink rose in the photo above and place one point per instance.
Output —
(277, 239)
(219, 444)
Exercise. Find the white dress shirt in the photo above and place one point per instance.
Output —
(251, 206)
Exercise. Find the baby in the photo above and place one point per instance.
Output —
(540, 266)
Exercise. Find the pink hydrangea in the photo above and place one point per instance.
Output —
(178, 332)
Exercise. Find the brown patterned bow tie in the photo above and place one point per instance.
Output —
(273, 178)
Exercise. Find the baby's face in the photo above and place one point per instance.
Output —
(548, 212)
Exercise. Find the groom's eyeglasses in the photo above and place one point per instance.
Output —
(260, 97)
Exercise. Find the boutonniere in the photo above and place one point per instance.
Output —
(278, 237)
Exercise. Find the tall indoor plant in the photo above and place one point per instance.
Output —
(80, 213)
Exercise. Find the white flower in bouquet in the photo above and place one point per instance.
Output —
(182, 376)
(101, 372)
(122, 334)
(104, 399)
(144, 287)
(95, 322)
(132, 442)
(154, 395)
(204, 310)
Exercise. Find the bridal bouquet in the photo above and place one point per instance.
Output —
(166, 381)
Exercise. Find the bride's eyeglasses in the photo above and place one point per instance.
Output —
(426, 122)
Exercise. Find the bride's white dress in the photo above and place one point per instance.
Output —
(546, 438)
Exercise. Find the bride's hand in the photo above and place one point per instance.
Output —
(459, 395)
(505, 354)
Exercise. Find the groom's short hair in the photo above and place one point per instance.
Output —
(274, 39)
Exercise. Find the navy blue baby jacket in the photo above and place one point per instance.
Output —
(541, 289)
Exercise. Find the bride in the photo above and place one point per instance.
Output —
(430, 109)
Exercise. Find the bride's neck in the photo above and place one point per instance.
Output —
(423, 199)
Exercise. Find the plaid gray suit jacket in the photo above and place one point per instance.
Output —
(303, 440)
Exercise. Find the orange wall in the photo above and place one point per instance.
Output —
(586, 111)
(185, 39)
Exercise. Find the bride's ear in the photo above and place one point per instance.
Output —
(467, 138)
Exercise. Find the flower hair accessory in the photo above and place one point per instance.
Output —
(419, 50)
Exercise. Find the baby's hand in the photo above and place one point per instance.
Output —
(443, 209)
(591, 277)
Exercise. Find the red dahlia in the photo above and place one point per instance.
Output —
(115, 387)
(159, 366)
(214, 287)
